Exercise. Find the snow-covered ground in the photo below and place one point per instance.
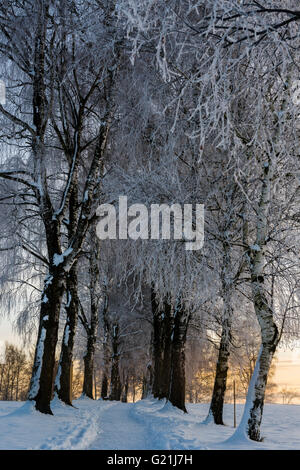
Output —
(144, 425)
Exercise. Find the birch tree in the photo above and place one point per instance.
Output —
(60, 257)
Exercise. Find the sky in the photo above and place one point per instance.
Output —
(287, 372)
(7, 333)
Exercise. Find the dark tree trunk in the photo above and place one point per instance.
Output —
(89, 368)
(147, 382)
(177, 388)
(115, 382)
(90, 354)
(133, 388)
(148, 374)
(92, 329)
(157, 346)
(41, 386)
(63, 383)
(217, 402)
(144, 387)
(106, 348)
(125, 390)
(157, 356)
(168, 325)
(95, 385)
(104, 387)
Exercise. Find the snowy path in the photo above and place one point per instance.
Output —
(119, 429)
(148, 424)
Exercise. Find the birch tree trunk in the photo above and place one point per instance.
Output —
(264, 312)
(252, 417)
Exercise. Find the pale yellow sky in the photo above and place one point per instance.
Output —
(7, 333)
(287, 372)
